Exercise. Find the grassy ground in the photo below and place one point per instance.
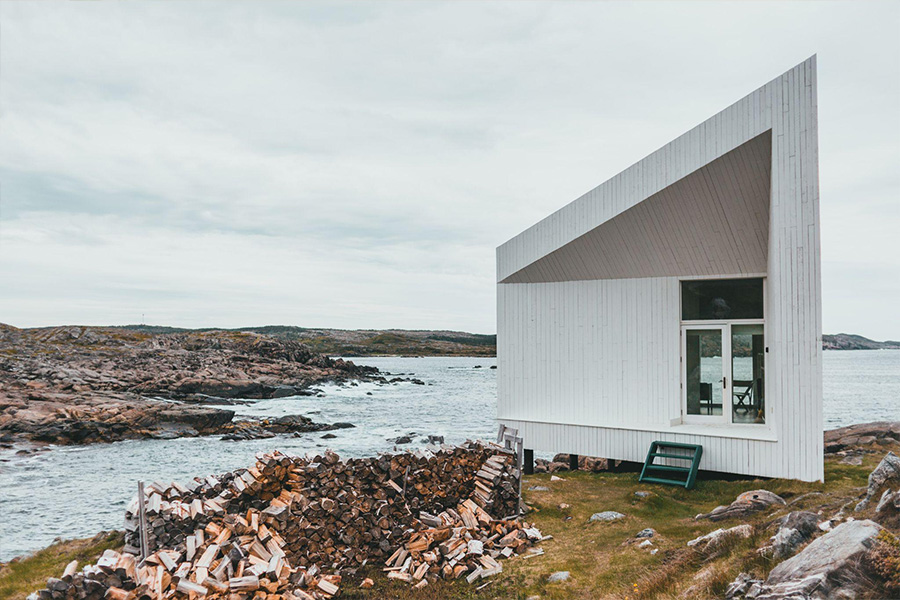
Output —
(601, 560)
(21, 577)
(603, 563)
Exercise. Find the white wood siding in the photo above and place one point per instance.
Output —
(590, 352)
(713, 221)
(591, 366)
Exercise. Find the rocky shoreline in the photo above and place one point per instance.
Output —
(786, 540)
(81, 385)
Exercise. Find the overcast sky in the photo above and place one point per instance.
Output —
(355, 165)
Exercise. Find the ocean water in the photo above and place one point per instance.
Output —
(73, 492)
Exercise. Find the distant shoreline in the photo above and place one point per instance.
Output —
(418, 343)
(849, 341)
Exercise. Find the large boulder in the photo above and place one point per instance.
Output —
(745, 504)
(886, 473)
(826, 568)
(794, 529)
(201, 418)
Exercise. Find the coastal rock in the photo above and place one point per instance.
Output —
(558, 576)
(268, 428)
(887, 472)
(854, 459)
(826, 565)
(607, 516)
(742, 587)
(794, 529)
(888, 500)
(593, 464)
(198, 417)
(745, 504)
(174, 431)
(714, 538)
(882, 432)
(561, 462)
(79, 385)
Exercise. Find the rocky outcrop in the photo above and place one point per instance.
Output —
(713, 539)
(267, 428)
(607, 516)
(795, 529)
(825, 567)
(561, 462)
(744, 505)
(104, 417)
(886, 473)
(76, 385)
(862, 435)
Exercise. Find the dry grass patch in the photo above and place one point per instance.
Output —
(21, 577)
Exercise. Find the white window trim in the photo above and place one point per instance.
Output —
(723, 419)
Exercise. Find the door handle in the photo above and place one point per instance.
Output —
(724, 383)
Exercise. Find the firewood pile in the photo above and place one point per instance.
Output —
(290, 528)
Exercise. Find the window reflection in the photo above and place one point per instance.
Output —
(748, 403)
(722, 299)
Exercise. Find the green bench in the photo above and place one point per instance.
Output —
(672, 474)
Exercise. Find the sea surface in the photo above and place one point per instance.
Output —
(76, 491)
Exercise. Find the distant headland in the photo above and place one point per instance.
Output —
(365, 342)
(428, 342)
(849, 341)
(406, 342)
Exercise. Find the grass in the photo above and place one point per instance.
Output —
(21, 577)
(603, 563)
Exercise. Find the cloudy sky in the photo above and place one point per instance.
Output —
(355, 165)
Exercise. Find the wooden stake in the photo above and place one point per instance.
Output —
(142, 521)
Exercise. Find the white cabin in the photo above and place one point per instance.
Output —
(680, 300)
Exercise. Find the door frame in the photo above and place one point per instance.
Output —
(727, 366)
(724, 329)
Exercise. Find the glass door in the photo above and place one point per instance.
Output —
(748, 373)
(705, 375)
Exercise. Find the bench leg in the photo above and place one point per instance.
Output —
(528, 459)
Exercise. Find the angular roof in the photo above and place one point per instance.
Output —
(698, 206)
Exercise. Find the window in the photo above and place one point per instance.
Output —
(723, 351)
(748, 367)
(722, 299)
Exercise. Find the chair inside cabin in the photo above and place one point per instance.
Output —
(706, 400)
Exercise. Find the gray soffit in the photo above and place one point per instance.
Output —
(712, 222)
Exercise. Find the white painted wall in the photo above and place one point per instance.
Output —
(591, 366)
